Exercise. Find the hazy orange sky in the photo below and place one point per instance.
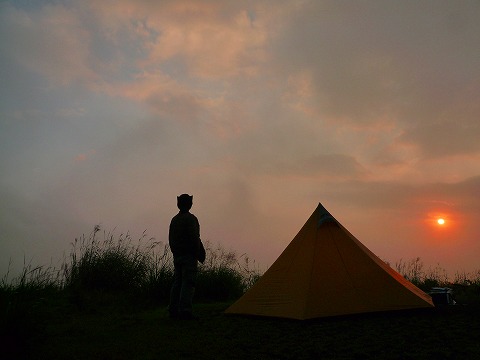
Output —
(260, 109)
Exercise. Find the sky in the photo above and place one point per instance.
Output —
(260, 109)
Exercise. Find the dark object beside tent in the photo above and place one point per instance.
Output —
(442, 296)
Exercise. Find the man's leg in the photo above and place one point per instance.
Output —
(189, 274)
(173, 307)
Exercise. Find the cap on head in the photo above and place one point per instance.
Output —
(184, 202)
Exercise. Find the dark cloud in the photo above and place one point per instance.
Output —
(413, 64)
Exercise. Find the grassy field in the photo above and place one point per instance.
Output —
(109, 331)
(107, 301)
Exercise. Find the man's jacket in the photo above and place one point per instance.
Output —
(184, 234)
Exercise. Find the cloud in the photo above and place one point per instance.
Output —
(210, 46)
(322, 167)
(403, 64)
(412, 200)
(51, 42)
(444, 138)
(198, 39)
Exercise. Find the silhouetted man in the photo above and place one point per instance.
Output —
(184, 240)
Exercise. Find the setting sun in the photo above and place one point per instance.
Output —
(440, 220)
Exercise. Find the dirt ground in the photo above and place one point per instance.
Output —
(117, 333)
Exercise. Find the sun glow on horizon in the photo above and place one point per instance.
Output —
(439, 220)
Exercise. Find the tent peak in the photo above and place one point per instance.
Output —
(323, 215)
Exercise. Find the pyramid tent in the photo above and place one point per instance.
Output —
(326, 271)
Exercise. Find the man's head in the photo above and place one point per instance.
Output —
(184, 202)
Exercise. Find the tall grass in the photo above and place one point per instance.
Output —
(111, 264)
(224, 275)
(466, 286)
(22, 303)
(145, 269)
(104, 269)
(103, 262)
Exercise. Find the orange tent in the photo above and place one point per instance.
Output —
(326, 271)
